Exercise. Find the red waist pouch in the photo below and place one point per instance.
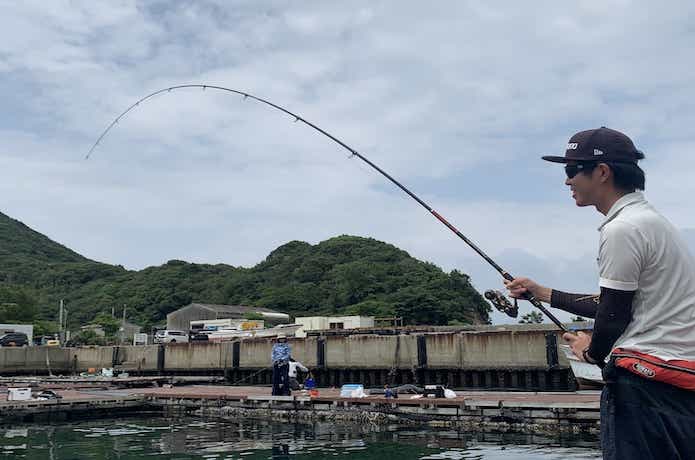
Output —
(679, 373)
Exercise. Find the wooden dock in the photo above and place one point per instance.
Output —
(524, 412)
(94, 381)
(72, 404)
(518, 412)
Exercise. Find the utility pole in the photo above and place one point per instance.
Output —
(60, 322)
(60, 317)
(123, 325)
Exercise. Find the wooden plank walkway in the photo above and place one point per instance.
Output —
(583, 399)
(98, 380)
(525, 412)
(71, 402)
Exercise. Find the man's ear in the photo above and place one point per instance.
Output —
(604, 172)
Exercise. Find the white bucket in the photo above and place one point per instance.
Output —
(18, 394)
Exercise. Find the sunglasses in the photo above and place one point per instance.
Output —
(573, 170)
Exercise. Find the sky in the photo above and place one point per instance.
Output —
(456, 99)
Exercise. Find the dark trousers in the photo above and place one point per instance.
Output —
(644, 419)
(281, 379)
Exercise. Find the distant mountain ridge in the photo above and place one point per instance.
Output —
(342, 275)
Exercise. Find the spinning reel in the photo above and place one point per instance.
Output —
(502, 303)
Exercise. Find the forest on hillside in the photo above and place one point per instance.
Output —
(342, 275)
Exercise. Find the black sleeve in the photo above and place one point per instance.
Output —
(579, 304)
(613, 314)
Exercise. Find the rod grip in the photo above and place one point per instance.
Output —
(537, 303)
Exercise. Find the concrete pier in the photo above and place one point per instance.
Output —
(513, 357)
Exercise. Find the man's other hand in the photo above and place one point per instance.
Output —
(578, 343)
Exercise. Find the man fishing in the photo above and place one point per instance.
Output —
(645, 312)
(280, 358)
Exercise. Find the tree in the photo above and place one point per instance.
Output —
(254, 316)
(371, 308)
(108, 323)
(17, 305)
(88, 338)
(42, 328)
(533, 317)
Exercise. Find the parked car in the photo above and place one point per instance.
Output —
(47, 340)
(170, 336)
(14, 339)
(197, 336)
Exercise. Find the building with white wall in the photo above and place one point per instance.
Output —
(313, 323)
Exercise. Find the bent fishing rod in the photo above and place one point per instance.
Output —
(354, 153)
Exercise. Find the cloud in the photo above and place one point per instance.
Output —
(457, 100)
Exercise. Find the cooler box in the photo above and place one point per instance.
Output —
(352, 390)
(19, 394)
(434, 391)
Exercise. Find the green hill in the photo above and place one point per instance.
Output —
(342, 275)
(32, 260)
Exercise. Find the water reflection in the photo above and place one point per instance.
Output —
(188, 438)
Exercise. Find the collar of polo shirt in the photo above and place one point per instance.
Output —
(625, 200)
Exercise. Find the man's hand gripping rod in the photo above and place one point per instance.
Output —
(537, 303)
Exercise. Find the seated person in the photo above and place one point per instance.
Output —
(309, 383)
(292, 372)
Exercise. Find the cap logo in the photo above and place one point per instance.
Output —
(598, 152)
(572, 146)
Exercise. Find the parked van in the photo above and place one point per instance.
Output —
(14, 339)
(170, 336)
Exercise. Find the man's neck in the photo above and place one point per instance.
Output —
(605, 205)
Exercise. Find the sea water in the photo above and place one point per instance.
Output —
(191, 438)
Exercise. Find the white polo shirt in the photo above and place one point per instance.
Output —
(639, 250)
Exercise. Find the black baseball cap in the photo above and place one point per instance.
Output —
(601, 144)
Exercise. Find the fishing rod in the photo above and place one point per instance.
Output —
(354, 153)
